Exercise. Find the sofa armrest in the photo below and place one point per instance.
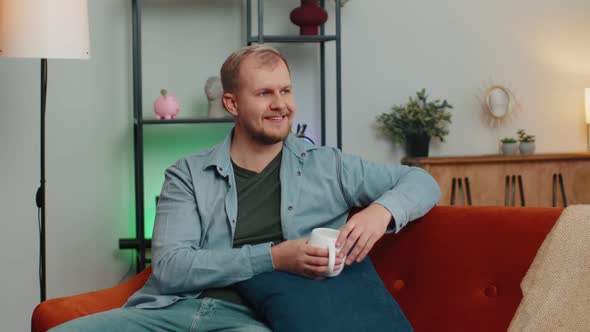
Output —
(60, 310)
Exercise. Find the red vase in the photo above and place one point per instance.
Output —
(309, 17)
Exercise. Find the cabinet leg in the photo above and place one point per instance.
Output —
(468, 190)
(554, 191)
(453, 191)
(513, 190)
(521, 189)
(461, 196)
(507, 191)
(562, 187)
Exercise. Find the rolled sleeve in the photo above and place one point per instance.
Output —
(261, 258)
(406, 192)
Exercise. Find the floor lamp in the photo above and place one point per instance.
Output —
(56, 29)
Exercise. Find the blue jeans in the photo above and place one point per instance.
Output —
(194, 315)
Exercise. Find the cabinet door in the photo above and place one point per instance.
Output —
(496, 184)
(487, 183)
(464, 184)
(536, 181)
(444, 175)
(576, 182)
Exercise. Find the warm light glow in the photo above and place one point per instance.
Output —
(44, 29)
(555, 37)
(588, 105)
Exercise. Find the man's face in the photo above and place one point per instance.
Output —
(264, 103)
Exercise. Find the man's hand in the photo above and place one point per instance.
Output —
(362, 231)
(298, 257)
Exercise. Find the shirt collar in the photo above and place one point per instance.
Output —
(298, 146)
(220, 156)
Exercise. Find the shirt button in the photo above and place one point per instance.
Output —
(233, 221)
(303, 154)
(290, 208)
(298, 173)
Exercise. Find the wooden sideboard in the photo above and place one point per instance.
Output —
(553, 179)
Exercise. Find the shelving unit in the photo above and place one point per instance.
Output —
(322, 38)
(140, 243)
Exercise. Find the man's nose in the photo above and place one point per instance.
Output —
(278, 102)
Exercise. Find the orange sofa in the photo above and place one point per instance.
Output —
(455, 269)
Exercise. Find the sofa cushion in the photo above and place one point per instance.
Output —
(356, 300)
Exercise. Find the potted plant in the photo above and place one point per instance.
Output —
(415, 123)
(527, 142)
(509, 146)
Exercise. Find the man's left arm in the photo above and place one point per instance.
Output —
(393, 196)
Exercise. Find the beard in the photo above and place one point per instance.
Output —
(261, 136)
(269, 138)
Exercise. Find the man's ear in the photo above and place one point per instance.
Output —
(230, 103)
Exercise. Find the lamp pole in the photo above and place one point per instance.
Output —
(40, 197)
(56, 29)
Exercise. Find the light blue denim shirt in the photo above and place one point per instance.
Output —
(196, 217)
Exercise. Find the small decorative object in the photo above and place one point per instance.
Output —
(166, 106)
(342, 2)
(309, 17)
(416, 123)
(509, 146)
(499, 105)
(527, 142)
(214, 92)
(301, 133)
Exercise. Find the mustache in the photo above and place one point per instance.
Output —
(277, 114)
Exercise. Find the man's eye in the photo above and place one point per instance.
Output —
(263, 93)
(286, 91)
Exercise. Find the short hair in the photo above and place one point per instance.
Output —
(230, 70)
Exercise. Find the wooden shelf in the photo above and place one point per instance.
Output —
(133, 243)
(496, 158)
(187, 120)
(294, 39)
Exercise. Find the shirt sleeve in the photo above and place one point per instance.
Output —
(406, 192)
(179, 263)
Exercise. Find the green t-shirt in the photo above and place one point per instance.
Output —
(259, 215)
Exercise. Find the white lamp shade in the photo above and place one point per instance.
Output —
(588, 105)
(44, 29)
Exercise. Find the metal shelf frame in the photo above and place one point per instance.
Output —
(140, 243)
(322, 38)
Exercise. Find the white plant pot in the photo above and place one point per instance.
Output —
(527, 148)
(509, 149)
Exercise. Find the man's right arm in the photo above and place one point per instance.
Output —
(179, 263)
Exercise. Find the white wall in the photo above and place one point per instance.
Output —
(454, 48)
(457, 48)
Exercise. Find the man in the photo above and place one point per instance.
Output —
(246, 206)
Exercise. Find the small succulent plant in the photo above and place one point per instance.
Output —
(523, 137)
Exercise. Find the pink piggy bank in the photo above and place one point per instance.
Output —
(166, 106)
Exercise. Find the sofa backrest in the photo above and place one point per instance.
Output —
(460, 268)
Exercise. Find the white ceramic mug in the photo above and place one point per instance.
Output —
(326, 238)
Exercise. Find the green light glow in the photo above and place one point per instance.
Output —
(163, 145)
